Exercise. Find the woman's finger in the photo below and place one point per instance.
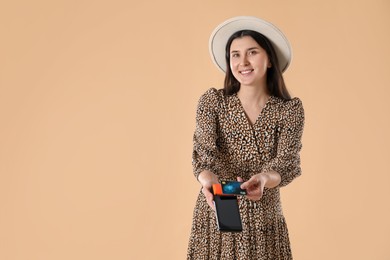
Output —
(209, 197)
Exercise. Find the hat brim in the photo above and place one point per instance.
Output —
(222, 33)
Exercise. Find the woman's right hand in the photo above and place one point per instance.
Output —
(207, 179)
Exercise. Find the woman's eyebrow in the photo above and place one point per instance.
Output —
(249, 49)
(253, 48)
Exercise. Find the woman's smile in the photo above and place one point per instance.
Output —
(246, 72)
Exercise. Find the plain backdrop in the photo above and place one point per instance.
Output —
(97, 113)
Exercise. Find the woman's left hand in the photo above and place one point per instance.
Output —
(254, 186)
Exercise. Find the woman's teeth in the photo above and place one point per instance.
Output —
(246, 71)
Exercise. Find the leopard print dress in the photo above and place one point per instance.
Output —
(228, 145)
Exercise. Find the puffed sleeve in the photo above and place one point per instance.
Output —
(287, 161)
(205, 136)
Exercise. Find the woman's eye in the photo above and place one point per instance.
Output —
(234, 55)
(252, 52)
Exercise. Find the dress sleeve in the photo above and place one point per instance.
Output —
(287, 161)
(205, 136)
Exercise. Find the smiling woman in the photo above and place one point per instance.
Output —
(249, 62)
(259, 49)
(250, 131)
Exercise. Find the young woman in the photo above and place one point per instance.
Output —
(250, 131)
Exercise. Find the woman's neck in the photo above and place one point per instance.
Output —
(253, 96)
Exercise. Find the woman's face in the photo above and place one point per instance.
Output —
(248, 62)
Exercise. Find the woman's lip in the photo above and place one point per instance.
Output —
(244, 72)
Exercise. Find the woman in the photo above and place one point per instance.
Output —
(250, 131)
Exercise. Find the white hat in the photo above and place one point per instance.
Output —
(221, 35)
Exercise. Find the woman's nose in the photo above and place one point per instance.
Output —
(244, 60)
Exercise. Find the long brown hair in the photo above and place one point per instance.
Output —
(275, 81)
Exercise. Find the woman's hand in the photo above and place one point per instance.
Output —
(207, 179)
(255, 185)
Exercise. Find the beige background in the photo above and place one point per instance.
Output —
(97, 112)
